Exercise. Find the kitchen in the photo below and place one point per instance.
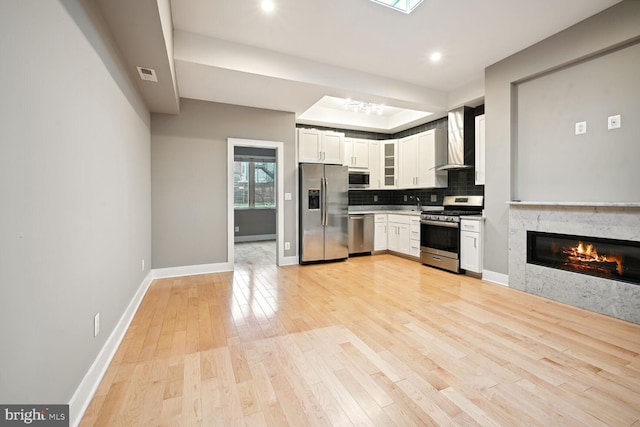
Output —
(450, 149)
(103, 195)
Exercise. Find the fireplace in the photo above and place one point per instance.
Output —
(607, 258)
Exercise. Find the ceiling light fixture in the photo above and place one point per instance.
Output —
(406, 6)
(363, 107)
(268, 6)
(435, 56)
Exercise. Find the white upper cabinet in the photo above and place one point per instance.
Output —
(408, 164)
(433, 152)
(316, 146)
(375, 166)
(389, 158)
(480, 147)
(309, 150)
(419, 154)
(356, 153)
(332, 147)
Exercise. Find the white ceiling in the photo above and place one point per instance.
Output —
(233, 52)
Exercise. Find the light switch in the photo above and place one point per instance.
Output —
(287, 196)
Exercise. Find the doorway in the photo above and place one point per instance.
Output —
(255, 190)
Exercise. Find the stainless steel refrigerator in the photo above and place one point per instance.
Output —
(324, 205)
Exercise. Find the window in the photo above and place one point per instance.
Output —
(406, 6)
(254, 183)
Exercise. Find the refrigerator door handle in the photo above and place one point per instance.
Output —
(324, 201)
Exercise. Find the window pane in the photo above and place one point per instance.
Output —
(254, 184)
(265, 173)
(241, 184)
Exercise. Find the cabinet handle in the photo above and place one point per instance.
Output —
(474, 243)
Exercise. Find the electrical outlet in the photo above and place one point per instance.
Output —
(581, 127)
(287, 246)
(434, 197)
(405, 197)
(614, 122)
(375, 197)
(96, 324)
(237, 229)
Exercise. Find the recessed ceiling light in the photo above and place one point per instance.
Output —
(435, 57)
(268, 5)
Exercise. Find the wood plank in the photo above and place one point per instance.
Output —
(375, 340)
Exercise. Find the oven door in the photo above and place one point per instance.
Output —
(440, 244)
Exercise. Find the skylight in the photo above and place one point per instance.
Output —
(406, 6)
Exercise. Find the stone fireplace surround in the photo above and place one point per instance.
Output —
(605, 220)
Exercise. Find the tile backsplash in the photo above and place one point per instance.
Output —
(461, 183)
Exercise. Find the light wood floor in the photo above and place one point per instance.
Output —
(372, 341)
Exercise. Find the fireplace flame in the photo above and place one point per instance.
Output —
(587, 253)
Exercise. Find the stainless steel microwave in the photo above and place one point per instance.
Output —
(358, 179)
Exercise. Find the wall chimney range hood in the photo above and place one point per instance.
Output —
(460, 142)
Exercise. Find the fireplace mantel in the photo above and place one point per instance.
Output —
(576, 204)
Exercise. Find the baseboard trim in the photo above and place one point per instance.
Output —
(191, 270)
(256, 238)
(289, 260)
(84, 393)
(497, 278)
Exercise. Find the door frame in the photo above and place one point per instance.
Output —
(279, 147)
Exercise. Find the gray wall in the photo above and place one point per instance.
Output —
(555, 164)
(255, 222)
(189, 177)
(600, 33)
(75, 191)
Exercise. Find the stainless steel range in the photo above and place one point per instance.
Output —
(440, 231)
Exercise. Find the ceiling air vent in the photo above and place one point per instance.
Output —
(147, 74)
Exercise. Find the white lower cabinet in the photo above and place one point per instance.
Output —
(380, 236)
(414, 231)
(471, 245)
(399, 233)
